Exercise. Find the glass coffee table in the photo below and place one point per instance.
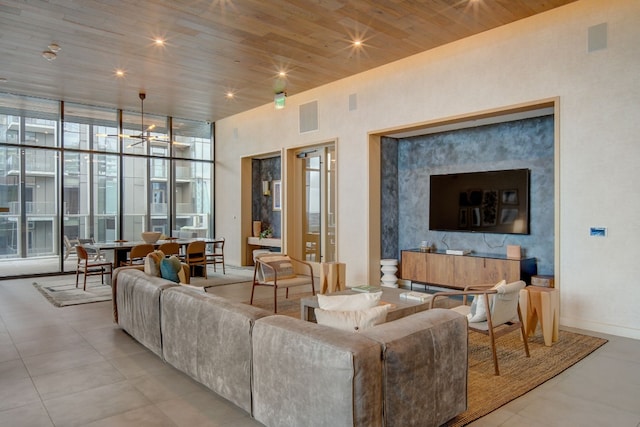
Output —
(400, 307)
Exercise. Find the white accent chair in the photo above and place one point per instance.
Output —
(502, 317)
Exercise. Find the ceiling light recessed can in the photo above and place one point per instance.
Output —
(54, 47)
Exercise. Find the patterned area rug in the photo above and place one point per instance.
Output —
(63, 292)
(518, 374)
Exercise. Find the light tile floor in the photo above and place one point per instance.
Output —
(73, 367)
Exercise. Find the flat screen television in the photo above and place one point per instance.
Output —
(484, 202)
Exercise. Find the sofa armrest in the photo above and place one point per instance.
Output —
(304, 374)
(424, 367)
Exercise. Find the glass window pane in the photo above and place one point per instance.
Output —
(193, 197)
(138, 136)
(105, 198)
(9, 199)
(40, 235)
(87, 127)
(134, 198)
(192, 140)
(159, 207)
(31, 121)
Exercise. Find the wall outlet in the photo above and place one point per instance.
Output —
(598, 231)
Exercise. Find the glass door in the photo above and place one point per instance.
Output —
(318, 224)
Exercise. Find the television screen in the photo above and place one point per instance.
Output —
(485, 202)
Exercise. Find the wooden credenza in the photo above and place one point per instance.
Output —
(458, 271)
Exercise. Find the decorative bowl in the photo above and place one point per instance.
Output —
(150, 236)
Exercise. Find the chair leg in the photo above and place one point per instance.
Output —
(493, 350)
(252, 289)
(275, 299)
(77, 274)
(84, 287)
(525, 338)
(491, 336)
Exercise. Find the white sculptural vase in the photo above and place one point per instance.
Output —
(389, 267)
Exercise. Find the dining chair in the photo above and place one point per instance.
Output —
(170, 248)
(69, 246)
(195, 255)
(90, 267)
(216, 255)
(137, 254)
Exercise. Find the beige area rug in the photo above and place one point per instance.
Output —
(518, 374)
(62, 292)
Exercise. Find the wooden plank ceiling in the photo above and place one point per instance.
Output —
(216, 46)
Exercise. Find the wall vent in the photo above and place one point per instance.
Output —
(309, 117)
(353, 102)
(597, 37)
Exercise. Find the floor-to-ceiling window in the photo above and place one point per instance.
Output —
(68, 172)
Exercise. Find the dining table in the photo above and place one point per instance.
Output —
(118, 251)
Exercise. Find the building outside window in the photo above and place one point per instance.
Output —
(78, 178)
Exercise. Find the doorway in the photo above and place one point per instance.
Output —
(316, 168)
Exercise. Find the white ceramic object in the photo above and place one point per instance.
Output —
(150, 236)
(389, 267)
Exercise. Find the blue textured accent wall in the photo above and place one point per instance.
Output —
(408, 163)
(261, 205)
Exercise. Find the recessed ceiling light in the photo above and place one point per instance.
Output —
(159, 41)
(230, 95)
(357, 43)
(120, 73)
(55, 47)
(282, 74)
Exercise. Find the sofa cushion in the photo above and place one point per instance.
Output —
(170, 267)
(349, 302)
(280, 263)
(354, 320)
(209, 338)
(478, 311)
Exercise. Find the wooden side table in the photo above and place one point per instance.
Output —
(332, 277)
(540, 304)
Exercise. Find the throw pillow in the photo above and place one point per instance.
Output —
(169, 268)
(479, 306)
(152, 263)
(282, 266)
(349, 302)
(352, 321)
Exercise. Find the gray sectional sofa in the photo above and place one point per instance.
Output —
(288, 372)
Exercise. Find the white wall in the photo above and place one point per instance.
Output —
(538, 58)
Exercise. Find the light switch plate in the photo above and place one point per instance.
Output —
(598, 231)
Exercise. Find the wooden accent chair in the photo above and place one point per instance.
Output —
(196, 255)
(137, 254)
(502, 317)
(90, 267)
(216, 256)
(281, 271)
